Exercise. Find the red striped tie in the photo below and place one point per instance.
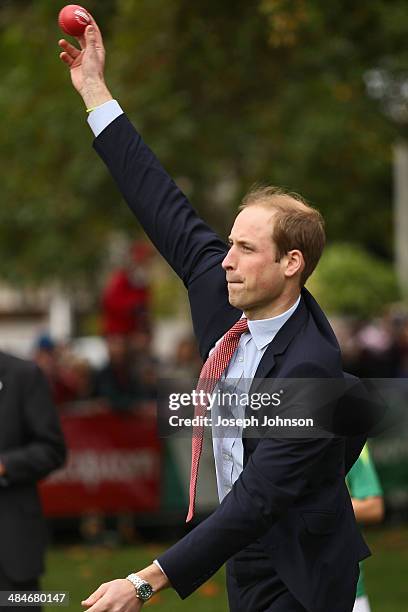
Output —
(209, 376)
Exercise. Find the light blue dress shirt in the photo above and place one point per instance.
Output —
(228, 449)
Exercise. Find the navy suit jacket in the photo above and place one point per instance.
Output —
(31, 446)
(291, 495)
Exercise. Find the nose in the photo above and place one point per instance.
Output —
(229, 263)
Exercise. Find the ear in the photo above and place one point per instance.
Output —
(295, 263)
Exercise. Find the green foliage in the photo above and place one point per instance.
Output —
(270, 91)
(351, 281)
(80, 570)
(57, 203)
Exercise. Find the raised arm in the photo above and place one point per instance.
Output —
(185, 241)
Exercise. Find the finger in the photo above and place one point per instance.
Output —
(92, 36)
(98, 33)
(88, 38)
(93, 598)
(73, 51)
(82, 41)
(91, 27)
(67, 59)
(98, 606)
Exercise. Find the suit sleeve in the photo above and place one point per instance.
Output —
(44, 450)
(184, 240)
(275, 476)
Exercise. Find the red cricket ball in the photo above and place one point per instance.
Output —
(73, 19)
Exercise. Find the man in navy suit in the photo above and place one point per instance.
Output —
(285, 524)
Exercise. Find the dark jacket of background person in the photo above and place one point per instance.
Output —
(31, 446)
(116, 382)
(291, 497)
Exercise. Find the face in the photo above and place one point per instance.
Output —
(117, 346)
(256, 281)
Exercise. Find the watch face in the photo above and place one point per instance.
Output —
(145, 591)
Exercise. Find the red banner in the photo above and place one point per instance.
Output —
(113, 466)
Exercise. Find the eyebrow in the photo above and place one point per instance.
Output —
(242, 242)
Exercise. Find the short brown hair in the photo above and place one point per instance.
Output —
(297, 224)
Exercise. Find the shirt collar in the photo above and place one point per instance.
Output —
(263, 331)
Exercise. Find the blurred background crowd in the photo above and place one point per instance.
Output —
(129, 367)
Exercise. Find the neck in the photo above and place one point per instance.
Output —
(281, 305)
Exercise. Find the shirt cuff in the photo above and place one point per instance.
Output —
(159, 566)
(103, 115)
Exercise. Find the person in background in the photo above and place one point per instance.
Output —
(46, 356)
(126, 297)
(378, 353)
(144, 363)
(185, 363)
(116, 381)
(118, 385)
(79, 375)
(368, 505)
(31, 447)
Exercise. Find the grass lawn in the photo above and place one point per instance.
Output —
(386, 570)
(81, 570)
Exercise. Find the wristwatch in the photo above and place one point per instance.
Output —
(143, 589)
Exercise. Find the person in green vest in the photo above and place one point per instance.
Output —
(368, 504)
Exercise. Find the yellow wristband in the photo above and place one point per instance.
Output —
(89, 110)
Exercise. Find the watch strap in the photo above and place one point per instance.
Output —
(143, 589)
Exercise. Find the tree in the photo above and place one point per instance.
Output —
(350, 281)
(227, 95)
